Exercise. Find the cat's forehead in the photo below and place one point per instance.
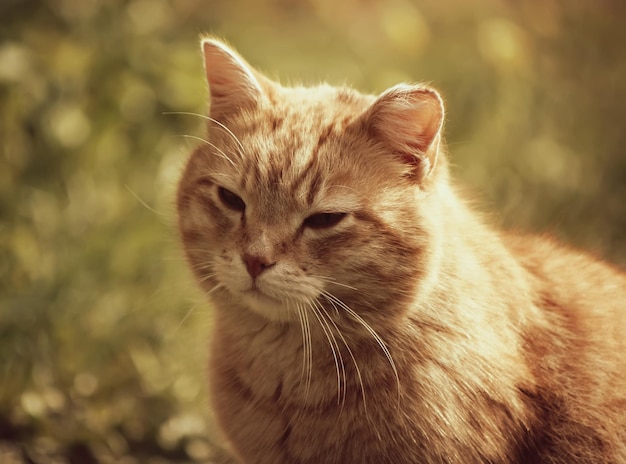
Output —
(293, 145)
(296, 113)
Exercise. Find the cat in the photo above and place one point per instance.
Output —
(363, 313)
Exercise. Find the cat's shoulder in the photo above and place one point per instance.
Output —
(543, 255)
(570, 281)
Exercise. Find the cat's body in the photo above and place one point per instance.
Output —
(364, 314)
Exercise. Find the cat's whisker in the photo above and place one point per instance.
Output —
(333, 346)
(202, 265)
(220, 152)
(207, 277)
(216, 287)
(356, 366)
(328, 320)
(372, 332)
(187, 314)
(307, 367)
(300, 318)
(333, 281)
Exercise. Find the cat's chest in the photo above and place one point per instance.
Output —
(284, 367)
(281, 415)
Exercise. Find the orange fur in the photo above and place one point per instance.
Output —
(363, 313)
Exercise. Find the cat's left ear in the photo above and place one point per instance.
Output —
(409, 120)
(233, 84)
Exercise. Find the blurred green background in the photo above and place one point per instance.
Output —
(102, 332)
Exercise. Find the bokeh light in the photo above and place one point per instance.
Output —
(103, 334)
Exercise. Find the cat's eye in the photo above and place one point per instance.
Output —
(323, 220)
(231, 200)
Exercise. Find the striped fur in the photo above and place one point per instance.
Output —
(406, 332)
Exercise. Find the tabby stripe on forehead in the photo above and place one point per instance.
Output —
(313, 158)
(384, 228)
(315, 186)
(256, 172)
(324, 137)
(248, 165)
(297, 183)
(276, 167)
(277, 123)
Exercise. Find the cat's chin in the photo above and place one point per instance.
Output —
(267, 306)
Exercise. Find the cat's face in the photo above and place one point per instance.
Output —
(308, 197)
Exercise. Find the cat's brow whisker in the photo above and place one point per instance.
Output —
(348, 188)
(214, 121)
(144, 204)
(229, 132)
(186, 113)
(220, 152)
(219, 175)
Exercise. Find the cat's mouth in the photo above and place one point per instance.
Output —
(254, 292)
(268, 306)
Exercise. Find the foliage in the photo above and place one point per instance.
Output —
(102, 332)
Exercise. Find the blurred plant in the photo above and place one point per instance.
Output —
(102, 332)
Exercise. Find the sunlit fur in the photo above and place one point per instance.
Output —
(409, 332)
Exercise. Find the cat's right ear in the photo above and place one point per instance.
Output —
(233, 85)
(409, 120)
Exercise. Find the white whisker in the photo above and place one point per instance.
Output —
(207, 277)
(372, 332)
(332, 342)
(215, 121)
(307, 359)
(220, 153)
(217, 287)
(328, 319)
(146, 205)
(187, 314)
(356, 366)
(332, 281)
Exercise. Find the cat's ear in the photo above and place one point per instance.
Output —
(233, 84)
(409, 120)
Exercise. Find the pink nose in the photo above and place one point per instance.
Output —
(256, 265)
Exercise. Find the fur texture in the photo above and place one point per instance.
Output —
(363, 314)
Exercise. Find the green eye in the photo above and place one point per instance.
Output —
(323, 220)
(231, 200)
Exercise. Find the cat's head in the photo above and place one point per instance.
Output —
(317, 197)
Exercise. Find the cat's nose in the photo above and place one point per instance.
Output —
(256, 264)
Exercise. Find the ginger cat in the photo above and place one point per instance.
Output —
(363, 313)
